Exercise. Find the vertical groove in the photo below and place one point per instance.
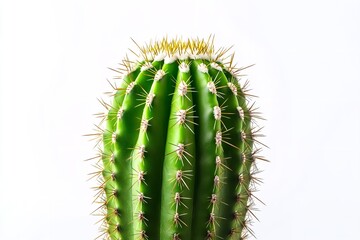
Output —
(206, 134)
(232, 161)
(110, 186)
(148, 163)
(179, 162)
(125, 136)
(243, 193)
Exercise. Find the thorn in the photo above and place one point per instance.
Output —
(178, 221)
(203, 68)
(130, 87)
(213, 199)
(180, 177)
(183, 88)
(149, 99)
(217, 113)
(218, 138)
(220, 164)
(141, 217)
(211, 87)
(113, 137)
(233, 88)
(176, 236)
(120, 113)
(181, 116)
(159, 75)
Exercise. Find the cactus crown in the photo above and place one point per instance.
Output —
(179, 149)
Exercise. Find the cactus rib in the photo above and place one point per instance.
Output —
(179, 149)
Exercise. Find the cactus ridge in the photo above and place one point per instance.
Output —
(177, 155)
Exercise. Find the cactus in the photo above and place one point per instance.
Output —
(178, 152)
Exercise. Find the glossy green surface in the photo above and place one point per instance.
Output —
(174, 167)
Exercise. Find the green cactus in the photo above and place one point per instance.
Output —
(178, 152)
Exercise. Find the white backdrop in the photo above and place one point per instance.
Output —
(53, 65)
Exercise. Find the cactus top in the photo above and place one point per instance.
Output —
(179, 146)
(178, 49)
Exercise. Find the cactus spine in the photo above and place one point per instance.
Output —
(179, 147)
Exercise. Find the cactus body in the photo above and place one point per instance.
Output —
(178, 148)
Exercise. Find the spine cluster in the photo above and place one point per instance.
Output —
(179, 150)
